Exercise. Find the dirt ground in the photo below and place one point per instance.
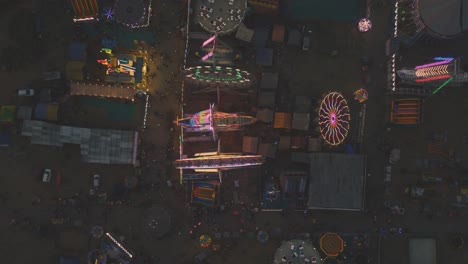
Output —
(307, 73)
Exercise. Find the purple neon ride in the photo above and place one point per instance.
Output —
(334, 118)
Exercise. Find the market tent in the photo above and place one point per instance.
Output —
(266, 99)
(264, 56)
(77, 51)
(249, 144)
(24, 113)
(244, 33)
(284, 143)
(267, 150)
(261, 36)
(278, 33)
(265, 115)
(298, 142)
(269, 81)
(74, 70)
(314, 144)
(7, 113)
(294, 38)
(301, 121)
(302, 104)
(331, 244)
(282, 120)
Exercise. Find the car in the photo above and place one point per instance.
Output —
(306, 43)
(26, 92)
(47, 175)
(96, 181)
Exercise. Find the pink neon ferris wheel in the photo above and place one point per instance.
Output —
(334, 118)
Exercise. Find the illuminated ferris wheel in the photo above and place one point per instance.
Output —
(334, 118)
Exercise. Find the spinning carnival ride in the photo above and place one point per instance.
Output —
(334, 118)
(212, 120)
(219, 161)
(85, 10)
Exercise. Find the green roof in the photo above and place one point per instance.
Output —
(340, 10)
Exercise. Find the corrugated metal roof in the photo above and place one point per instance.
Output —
(97, 145)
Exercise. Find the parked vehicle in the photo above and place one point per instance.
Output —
(47, 175)
(26, 92)
(306, 43)
(96, 181)
(52, 75)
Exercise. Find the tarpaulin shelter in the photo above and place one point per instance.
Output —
(45, 111)
(266, 99)
(314, 144)
(77, 51)
(298, 142)
(302, 104)
(261, 36)
(301, 121)
(264, 56)
(7, 113)
(265, 115)
(269, 81)
(284, 143)
(74, 70)
(249, 144)
(278, 33)
(331, 244)
(294, 38)
(24, 113)
(282, 120)
(267, 150)
(244, 33)
(5, 139)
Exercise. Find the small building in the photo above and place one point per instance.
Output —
(269, 81)
(278, 33)
(282, 120)
(293, 184)
(336, 180)
(5, 139)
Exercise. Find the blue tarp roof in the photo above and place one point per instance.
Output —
(40, 112)
(5, 139)
(76, 51)
(339, 10)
